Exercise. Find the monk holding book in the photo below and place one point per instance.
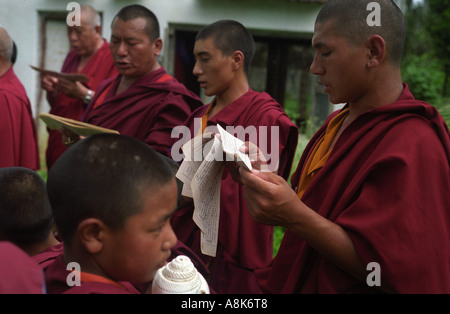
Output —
(89, 55)
(143, 101)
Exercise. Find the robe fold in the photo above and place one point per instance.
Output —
(99, 68)
(18, 272)
(387, 184)
(148, 110)
(18, 137)
(57, 278)
(243, 244)
(47, 257)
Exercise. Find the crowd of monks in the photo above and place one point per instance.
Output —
(373, 184)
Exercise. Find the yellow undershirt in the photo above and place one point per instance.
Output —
(320, 153)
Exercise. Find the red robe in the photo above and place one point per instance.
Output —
(18, 272)
(99, 68)
(47, 257)
(56, 276)
(244, 245)
(18, 137)
(387, 183)
(148, 110)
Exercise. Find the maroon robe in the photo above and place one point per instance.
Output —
(56, 280)
(18, 272)
(387, 183)
(99, 68)
(18, 137)
(47, 257)
(148, 110)
(243, 244)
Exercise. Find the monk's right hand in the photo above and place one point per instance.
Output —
(49, 83)
(270, 199)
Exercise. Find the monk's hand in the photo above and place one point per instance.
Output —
(68, 137)
(49, 83)
(73, 89)
(270, 199)
(257, 157)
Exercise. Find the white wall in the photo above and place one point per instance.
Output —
(22, 20)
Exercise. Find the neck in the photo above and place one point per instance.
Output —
(37, 248)
(231, 94)
(98, 44)
(127, 81)
(381, 92)
(4, 67)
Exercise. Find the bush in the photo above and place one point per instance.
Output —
(424, 77)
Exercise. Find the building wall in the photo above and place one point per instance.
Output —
(23, 19)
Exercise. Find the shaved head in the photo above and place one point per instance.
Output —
(350, 21)
(135, 11)
(6, 45)
(90, 16)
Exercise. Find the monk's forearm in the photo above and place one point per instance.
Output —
(329, 239)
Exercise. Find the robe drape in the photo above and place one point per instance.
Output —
(148, 110)
(387, 183)
(18, 137)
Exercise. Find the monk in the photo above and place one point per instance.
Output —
(112, 197)
(143, 101)
(369, 208)
(90, 56)
(18, 137)
(25, 214)
(223, 52)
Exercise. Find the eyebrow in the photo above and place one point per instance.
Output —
(202, 53)
(129, 38)
(319, 45)
(165, 217)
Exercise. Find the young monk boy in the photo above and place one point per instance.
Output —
(223, 52)
(25, 213)
(112, 198)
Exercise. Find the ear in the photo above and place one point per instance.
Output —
(91, 233)
(98, 29)
(158, 45)
(377, 51)
(238, 60)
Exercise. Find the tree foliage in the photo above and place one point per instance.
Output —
(438, 26)
(426, 62)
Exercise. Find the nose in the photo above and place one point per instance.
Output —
(72, 35)
(122, 49)
(170, 240)
(316, 68)
(197, 70)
